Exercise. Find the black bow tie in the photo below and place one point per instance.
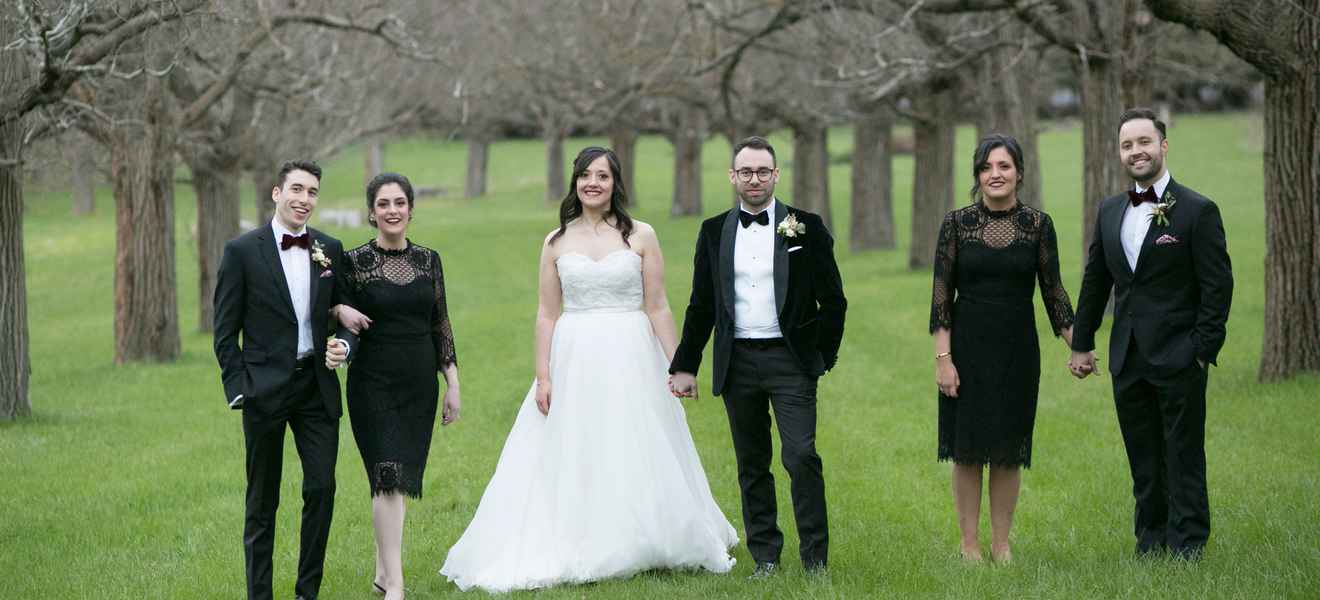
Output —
(747, 218)
(290, 241)
(1146, 196)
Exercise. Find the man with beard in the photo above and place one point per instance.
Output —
(1160, 247)
(766, 281)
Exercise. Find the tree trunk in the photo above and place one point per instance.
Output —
(15, 365)
(142, 171)
(375, 160)
(478, 166)
(1292, 224)
(1102, 172)
(687, 143)
(84, 178)
(623, 140)
(216, 186)
(1138, 53)
(872, 184)
(811, 170)
(932, 186)
(263, 182)
(1008, 106)
(555, 186)
(1279, 37)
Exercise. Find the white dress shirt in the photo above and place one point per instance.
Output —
(754, 314)
(1136, 222)
(298, 272)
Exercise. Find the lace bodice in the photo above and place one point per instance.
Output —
(403, 292)
(611, 284)
(998, 257)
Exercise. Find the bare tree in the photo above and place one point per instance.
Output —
(1279, 38)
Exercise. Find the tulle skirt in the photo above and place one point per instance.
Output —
(607, 485)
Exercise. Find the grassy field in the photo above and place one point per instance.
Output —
(127, 482)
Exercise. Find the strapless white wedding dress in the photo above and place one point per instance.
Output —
(609, 483)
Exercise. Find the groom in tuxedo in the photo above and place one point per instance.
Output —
(765, 280)
(275, 290)
(1160, 247)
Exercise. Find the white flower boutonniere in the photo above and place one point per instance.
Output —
(790, 227)
(318, 254)
(1160, 214)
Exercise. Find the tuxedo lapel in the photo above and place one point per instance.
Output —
(313, 272)
(728, 234)
(271, 257)
(1113, 232)
(781, 259)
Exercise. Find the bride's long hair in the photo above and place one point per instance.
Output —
(571, 207)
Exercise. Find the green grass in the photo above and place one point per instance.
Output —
(127, 482)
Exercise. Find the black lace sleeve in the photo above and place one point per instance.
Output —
(946, 282)
(442, 333)
(1057, 304)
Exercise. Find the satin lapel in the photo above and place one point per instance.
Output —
(313, 273)
(728, 234)
(272, 259)
(1113, 232)
(781, 259)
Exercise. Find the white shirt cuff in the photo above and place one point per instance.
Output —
(237, 401)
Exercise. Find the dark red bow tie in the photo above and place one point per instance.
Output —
(290, 241)
(1146, 196)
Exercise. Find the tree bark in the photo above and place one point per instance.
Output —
(1280, 37)
(84, 178)
(216, 186)
(872, 184)
(1138, 52)
(142, 171)
(478, 166)
(1102, 172)
(623, 140)
(687, 143)
(15, 365)
(375, 160)
(263, 182)
(555, 186)
(1008, 106)
(932, 186)
(811, 170)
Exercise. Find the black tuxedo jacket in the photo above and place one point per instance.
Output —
(808, 295)
(252, 299)
(1175, 306)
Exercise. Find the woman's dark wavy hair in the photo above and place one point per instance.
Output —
(981, 158)
(380, 181)
(571, 207)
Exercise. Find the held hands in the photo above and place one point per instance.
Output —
(351, 319)
(336, 351)
(1082, 364)
(543, 396)
(946, 376)
(683, 385)
(452, 403)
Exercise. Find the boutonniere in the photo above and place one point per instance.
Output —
(318, 254)
(1160, 214)
(790, 227)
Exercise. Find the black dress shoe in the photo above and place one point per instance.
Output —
(764, 570)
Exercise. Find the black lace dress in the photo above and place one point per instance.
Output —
(393, 390)
(987, 264)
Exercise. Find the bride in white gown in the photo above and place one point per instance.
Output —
(599, 477)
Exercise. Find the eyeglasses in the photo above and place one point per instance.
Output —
(761, 174)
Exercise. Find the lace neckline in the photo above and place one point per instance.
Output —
(407, 245)
(1017, 205)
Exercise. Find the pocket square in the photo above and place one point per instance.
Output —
(794, 249)
(1166, 239)
(327, 273)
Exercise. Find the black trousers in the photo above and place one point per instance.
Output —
(1163, 425)
(316, 435)
(762, 376)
